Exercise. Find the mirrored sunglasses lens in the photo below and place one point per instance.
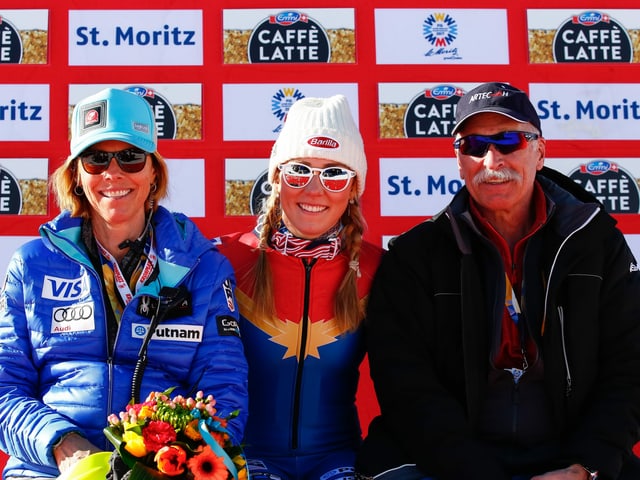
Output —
(474, 145)
(296, 175)
(94, 162)
(508, 142)
(131, 161)
(335, 179)
(335, 172)
(505, 142)
(296, 181)
(335, 185)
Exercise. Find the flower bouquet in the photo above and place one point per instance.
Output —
(176, 439)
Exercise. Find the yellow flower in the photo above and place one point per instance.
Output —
(239, 461)
(241, 464)
(134, 444)
(145, 412)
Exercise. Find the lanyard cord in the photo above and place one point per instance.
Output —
(169, 299)
(513, 307)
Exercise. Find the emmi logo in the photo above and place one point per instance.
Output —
(57, 288)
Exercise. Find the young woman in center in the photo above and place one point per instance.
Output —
(303, 277)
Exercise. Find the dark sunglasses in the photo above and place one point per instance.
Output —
(299, 175)
(505, 143)
(131, 160)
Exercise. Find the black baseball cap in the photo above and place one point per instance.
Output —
(498, 98)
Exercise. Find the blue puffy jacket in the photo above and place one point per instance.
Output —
(56, 372)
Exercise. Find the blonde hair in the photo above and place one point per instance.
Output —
(348, 310)
(64, 185)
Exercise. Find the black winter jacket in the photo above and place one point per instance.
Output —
(435, 297)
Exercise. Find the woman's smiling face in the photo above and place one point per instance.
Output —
(117, 197)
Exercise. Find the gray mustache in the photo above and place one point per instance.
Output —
(502, 175)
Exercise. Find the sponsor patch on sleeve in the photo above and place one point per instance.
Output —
(228, 293)
(227, 325)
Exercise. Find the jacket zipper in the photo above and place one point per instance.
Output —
(302, 352)
(516, 374)
(515, 404)
(110, 349)
(568, 386)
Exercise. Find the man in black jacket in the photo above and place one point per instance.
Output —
(504, 333)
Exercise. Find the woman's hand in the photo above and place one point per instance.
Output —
(72, 449)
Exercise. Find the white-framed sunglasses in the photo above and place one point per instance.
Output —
(298, 175)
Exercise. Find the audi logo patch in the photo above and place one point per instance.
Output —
(73, 318)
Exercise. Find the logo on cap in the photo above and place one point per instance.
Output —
(323, 142)
(93, 117)
(141, 127)
(486, 95)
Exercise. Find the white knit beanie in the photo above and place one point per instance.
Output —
(321, 128)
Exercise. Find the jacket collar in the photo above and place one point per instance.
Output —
(569, 206)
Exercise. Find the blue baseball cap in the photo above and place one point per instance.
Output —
(499, 98)
(113, 114)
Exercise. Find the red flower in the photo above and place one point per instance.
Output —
(171, 460)
(208, 466)
(157, 434)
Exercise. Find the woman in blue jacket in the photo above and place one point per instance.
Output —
(77, 303)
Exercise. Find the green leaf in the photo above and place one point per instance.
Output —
(136, 428)
(233, 414)
(113, 437)
(170, 390)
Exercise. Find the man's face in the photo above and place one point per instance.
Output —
(499, 182)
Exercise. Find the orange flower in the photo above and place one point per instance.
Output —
(191, 430)
(208, 466)
(243, 474)
(171, 460)
(146, 411)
